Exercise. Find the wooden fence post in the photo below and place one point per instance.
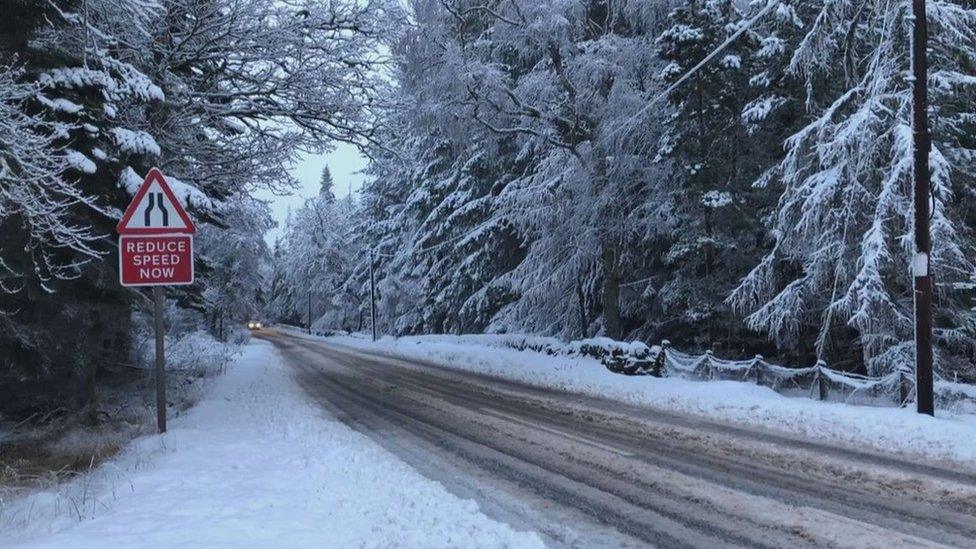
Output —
(903, 391)
(757, 366)
(820, 380)
(661, 360)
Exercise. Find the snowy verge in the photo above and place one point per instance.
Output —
(254, 464)
(889, 430)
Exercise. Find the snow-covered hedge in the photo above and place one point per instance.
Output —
(630, 358)
(199, 352)
(194, 352)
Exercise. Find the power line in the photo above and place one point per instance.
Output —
(445, 243)
(636, 282)
(691, 72)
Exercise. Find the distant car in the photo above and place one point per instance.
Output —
(254, 325)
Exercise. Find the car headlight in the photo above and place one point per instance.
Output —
(258, 325)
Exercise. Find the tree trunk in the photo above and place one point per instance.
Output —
(88, 363)
(581, 297)
(611, 294)
(89, 407)
(89, 356)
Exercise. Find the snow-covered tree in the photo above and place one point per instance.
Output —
(235, 261)
(843, 224)
(712, 163)
(521, 118)
(313, 263)
(327, 185)
(530, 174)
(81, 62)
(72, 79)
(251, 83)
(221, 94)
(37, 191)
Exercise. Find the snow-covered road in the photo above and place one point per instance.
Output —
(255, 464)
(459, 459)
(949, 437)
(586, 471)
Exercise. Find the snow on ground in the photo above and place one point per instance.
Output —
(949, 436)
(254, 464)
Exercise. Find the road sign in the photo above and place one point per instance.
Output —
(156, 260)
(155, 210)
(156, 249)
(156, 237)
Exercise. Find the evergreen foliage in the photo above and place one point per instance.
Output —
(532, 177)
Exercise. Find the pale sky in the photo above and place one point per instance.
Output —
(345, 162)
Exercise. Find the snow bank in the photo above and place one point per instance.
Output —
(254, 464)
(891, 430)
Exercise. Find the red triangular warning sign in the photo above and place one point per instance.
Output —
(155, 210)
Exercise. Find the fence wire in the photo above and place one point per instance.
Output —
(818, 381)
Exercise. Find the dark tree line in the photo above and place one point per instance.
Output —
(536, 176)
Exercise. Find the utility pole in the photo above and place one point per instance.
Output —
(158, 299)
(308, 325)
(921, 263)
(372, 294)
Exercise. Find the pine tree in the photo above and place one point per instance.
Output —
(313, 262)
(514, 214)
(327, 185)
(60, 295)
(715, 210)
(843, 223)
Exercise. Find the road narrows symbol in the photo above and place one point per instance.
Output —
(156, 200)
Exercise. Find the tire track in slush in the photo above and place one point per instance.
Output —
(789, 487)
